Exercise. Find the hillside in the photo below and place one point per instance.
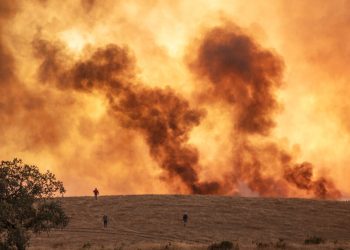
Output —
(155, 221)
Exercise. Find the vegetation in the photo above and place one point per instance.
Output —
(261, 245)
(87, 245)
(280, 244)
(314, 240)
(26, 203)
(224, 245)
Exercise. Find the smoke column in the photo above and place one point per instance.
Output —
(166, 97)
(164, 118)
(246, 76)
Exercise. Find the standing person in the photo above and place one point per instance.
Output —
(105, 221)
(95, 191)
(185, 218)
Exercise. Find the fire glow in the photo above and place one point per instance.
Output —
(166, 97)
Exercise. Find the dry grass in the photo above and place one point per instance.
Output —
(155, 222)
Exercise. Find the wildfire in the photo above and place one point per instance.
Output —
(177, 97)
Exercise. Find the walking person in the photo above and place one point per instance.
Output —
(96, 192)
(105, 221)
(185, 218)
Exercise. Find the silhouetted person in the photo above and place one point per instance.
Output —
(96, 193)
(105, 221)
(185, 218)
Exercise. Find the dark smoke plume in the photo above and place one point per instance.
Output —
(243, 74)
(301, 176)
(240, 72)
(246, 76)
(164, 118)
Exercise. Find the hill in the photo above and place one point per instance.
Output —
(155, 222)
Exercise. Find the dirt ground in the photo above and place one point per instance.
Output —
(155, 222)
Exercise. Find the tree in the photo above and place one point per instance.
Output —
(27, 203)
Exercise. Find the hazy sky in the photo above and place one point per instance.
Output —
(227, 97)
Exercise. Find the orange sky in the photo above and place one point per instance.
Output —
(87, 140)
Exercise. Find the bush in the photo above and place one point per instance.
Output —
(280, 244)
(86, 245)
(261, 245)
(224, 245)
(314, 240)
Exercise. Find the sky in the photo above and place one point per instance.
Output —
(222, 97)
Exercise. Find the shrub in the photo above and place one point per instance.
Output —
(87, 245)
(314, 240)
(224, 245)
(261, 245)
(280, 244)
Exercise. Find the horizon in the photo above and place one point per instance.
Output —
(175, 97)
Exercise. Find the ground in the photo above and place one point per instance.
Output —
(155, 222)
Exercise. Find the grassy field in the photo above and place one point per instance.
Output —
(155, 222)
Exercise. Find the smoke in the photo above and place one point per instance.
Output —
(88, 4)
(28, 117)
(7, 9)
(247, 76)
(6, 73)
(164, 118)
(301, 176)
(243, 74)
(99, 93)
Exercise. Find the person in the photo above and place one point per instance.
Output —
(105, 221)
(95, 193)
(185, 218)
